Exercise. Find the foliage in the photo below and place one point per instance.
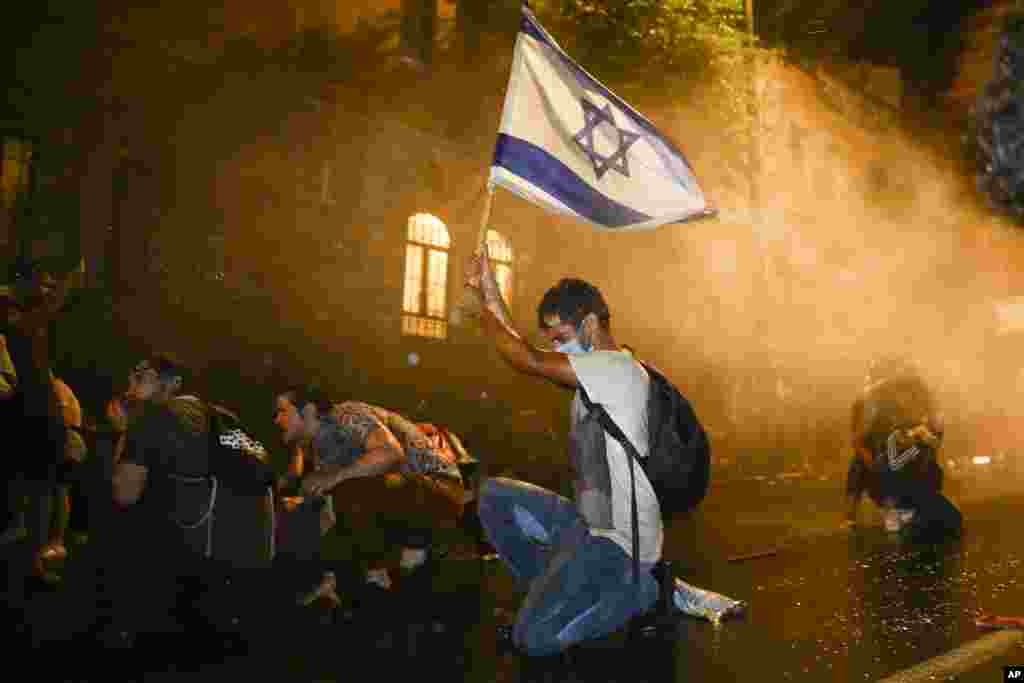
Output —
(672, 51)
(41, 59)
(673, 38)
(999, 139)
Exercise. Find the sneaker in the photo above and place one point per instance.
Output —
(326, 590)
(13, 535)
(705, 604)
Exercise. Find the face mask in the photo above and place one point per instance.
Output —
(574, 346)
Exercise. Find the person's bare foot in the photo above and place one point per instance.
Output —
(54, 551)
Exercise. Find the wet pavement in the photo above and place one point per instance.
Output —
(825, 604)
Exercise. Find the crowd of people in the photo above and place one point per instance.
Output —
(180, 481)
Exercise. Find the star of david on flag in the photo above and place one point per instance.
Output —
(572, 146)
(594, 117)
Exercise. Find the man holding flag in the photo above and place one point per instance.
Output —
(575, 560)
(569, 144)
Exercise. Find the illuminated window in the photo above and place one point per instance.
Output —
(425, 299)
(500, 251)
(326, 192)
(17, 157)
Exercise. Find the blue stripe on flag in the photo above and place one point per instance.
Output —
(531, 28)
(536, 166)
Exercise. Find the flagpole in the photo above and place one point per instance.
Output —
(469, 306)
(485, 217)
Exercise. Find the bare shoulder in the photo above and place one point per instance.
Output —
(554, 367)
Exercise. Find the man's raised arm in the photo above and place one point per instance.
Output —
(517, 352)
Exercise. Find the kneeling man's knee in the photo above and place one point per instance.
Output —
(490, 490)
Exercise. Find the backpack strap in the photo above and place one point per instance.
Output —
(609, 426)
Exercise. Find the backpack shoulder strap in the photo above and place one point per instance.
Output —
(608, 424)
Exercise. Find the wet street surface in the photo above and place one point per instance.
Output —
(824, 604)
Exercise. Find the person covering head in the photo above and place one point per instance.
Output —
(897, 430)
(394, 485)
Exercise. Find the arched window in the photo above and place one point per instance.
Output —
(425, 300)
(500, 251)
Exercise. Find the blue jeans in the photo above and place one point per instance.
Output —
(579, 586)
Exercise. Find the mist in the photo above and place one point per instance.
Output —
(865, 241)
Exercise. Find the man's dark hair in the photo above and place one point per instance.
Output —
(300, 396)
(168, 367)
(573, 300)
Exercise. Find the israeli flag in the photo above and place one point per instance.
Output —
(569, 144)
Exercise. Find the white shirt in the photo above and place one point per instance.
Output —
(603, 491)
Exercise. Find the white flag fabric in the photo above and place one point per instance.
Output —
(572, 146)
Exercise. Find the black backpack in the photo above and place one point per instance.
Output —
(679, 460)
(678, 463)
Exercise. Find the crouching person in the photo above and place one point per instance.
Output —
(390, 488)
(897, 433)
(191, 522)
(575, 559)
(166, 439)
